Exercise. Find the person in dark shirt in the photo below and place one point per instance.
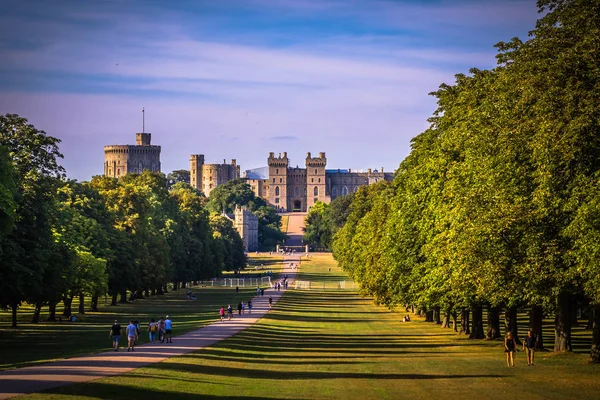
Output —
(115, 333)
(509, 349)
(529, 346)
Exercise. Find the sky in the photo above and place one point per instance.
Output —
(242, 78)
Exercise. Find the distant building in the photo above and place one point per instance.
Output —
(298, 189)
(120, 160)
(246, 223)
(206, 177)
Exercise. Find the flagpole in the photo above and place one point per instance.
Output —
(143, 121)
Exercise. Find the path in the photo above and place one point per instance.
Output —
(295, 228)
(83, 369)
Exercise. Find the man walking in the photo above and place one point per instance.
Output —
(168, 329)
(132, 335)
(115, 333)
(229, 312)
(270, 301)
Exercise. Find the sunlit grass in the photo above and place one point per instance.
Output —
(333, 344)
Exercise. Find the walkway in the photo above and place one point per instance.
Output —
(83, 369)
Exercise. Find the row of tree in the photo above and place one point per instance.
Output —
(498, 203)
(60, 239)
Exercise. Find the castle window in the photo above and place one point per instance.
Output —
(273, 180)
(280, 180)
(312, 180)
(297, 191)
(277, 191)
(305, 191)
(334, 191)
(355, 189)
(344, 191)
(316, 191)
(118, 171)
(277, 171)
(276, 200)
(315, 171)
(319, 180)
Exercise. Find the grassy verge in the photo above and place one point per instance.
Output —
(330, 344)
(285, 219)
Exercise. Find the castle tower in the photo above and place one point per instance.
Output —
(315, 180)
(196, 163)
(121, 160)
(278, 167)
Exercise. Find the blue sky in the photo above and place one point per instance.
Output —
(241, 78)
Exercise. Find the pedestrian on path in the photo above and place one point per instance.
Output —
(240, 308)
(161, 330)
(229, 312)
(509, 349)
(132, 335)
(168, 329)
(115, 333)
(250, 306)
(257, 290)
(152, 329)
(262, 292)
(270, 301)
(529, 347)
(222, 313)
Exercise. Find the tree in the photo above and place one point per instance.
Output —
(178, 176)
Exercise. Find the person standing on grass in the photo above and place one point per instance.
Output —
(152, 328)
(168, 329)
(509, 349)
(270, 301)
(250, 306)
(229, 312)
(132, 335)
(222, 313)
(529, 346)
(115, 333)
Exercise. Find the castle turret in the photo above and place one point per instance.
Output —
(121, 160)
(315, 179)
(196, 163)
(143, 139)
(278, 167)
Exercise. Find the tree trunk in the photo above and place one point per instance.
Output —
(154, 291)
(446, 321)
(536, 317)
(175, 286)
(113, 300)
(81, 304)
(595, 352)
(123, 298)
(436, 315)
(36, 313)
(454, 323)
(52, 312)
(510, 323)
(166, 289)
(477, 331)
(67, 309)
(183, 285)
(160, 291)
(429, 316)
(562, 323)
(94, 307)
(147, 293)
(465, 324)
(493, 323)
(590, 318)
(14, 306)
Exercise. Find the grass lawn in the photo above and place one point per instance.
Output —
(35, 343)
(333, 344)
(285, 219)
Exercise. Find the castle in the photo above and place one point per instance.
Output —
(298, 189)
(126, 159)
(283, 187)
(206, 177)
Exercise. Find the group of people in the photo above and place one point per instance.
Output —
(406, 318)
(510, 347)
(160, 330)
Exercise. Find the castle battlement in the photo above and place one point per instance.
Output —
(126, 159)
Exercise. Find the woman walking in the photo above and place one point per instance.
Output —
(509, 349)
(222, 313)
(529, 346)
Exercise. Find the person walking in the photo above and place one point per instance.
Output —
(161, 330)
(152, 329)
(529, 346)
(229, 312)
(250, 306)
(270, 301)
(115, 333)
(262, 292)
(239, 308)
(509, 349)
(168, 329)
(222, 314)
(132, 335)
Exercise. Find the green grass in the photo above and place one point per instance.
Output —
(285, 219)
(333, 344)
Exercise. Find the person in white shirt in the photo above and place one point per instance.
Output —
(168, 329)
